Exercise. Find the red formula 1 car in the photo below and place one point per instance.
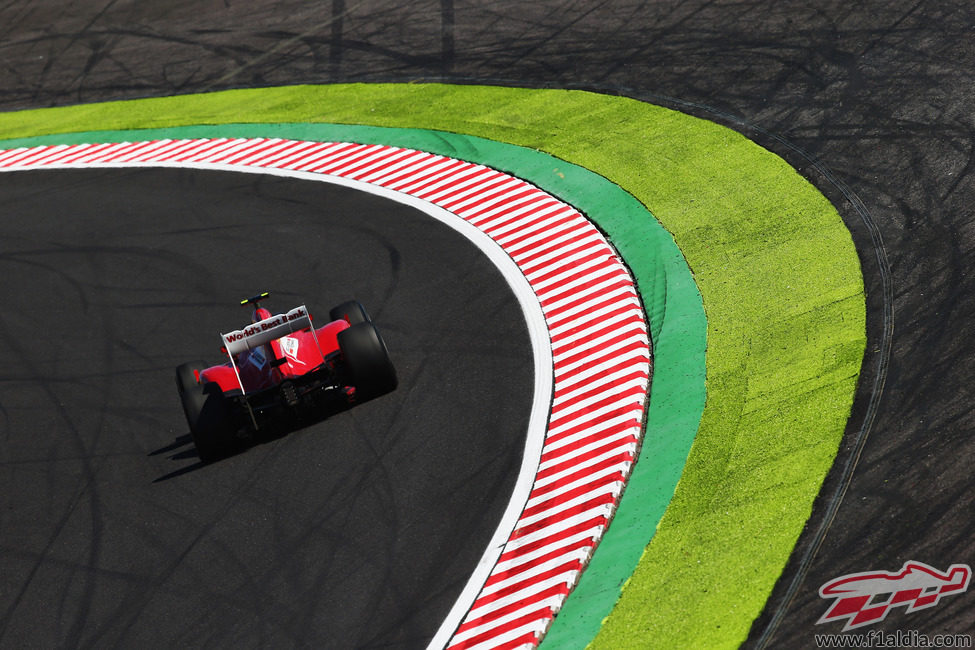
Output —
(282, 372)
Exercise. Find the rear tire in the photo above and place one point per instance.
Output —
(351, 311)
(367, 360)
(208, 414)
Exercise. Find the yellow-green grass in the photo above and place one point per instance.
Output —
(780, 283)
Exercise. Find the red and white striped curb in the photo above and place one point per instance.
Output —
(600, 347)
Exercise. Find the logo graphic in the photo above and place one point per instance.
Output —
(290, 347)
(865, 598)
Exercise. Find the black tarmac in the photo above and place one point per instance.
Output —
(872, 101)
(357, 531)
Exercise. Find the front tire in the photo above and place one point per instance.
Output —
(351, 311)
(187, 375)
(367, 360)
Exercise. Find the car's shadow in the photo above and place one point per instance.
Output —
(182, 447)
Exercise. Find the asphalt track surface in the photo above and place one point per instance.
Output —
(871, 101)
(336, 535)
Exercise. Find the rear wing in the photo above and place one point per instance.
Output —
(269, 329)
(265, 331)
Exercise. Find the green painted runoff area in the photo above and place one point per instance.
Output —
(781, 288)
